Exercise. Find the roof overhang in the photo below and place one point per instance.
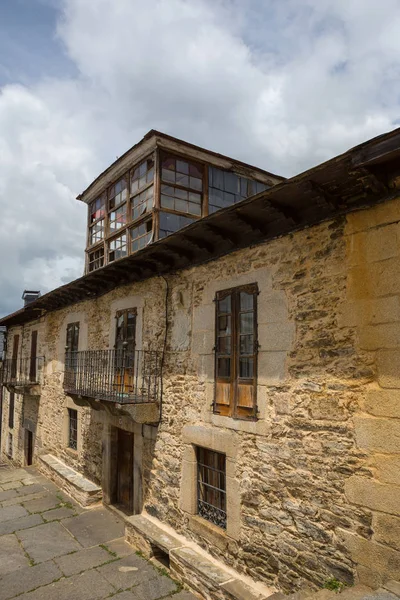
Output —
(334, 188)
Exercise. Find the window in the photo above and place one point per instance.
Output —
(10, 446)
(72, 429)
(96, 259)
(141, 235)
(117, 218)
(117, 194)
(142, 175)
(97, 211)
(117, 248)
(96, 232)
(226, 188)
(181, 185)
(236, 352)
(142, 202)
(72, 341)
(211, 486)
(11, 410)
(169, 223)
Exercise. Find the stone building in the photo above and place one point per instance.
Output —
(231, 383)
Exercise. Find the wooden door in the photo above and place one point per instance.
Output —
(28, 447)
(125, 471)
(33, 368)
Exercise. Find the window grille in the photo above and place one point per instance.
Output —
(211, 486)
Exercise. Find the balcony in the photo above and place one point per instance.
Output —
(23, 375)
(118, 381)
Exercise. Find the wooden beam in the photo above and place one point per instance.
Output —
(370, 181)
(252, 222)
(200, 243)
(223, 233)
(179, 251)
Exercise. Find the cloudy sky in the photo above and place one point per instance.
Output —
(281, 84)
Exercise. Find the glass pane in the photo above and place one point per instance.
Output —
(168, 175)
(168, 163)
(224, 367)
(246, 344)
(195, 184)
(195, 171)
(181, 194)
(181, 205)
(224, 345)
(167, 202)
(224, 325)
(194, 209)
(246, 323)
(182, 167)
(224, 306)
(246, 301)
(246, 368)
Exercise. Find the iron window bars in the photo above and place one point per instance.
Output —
(211, 486)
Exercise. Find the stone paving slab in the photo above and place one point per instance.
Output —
(7, 494)
(87, 586)
(12, 556)
(128, 571)
(28, 579)
(18, 499)
(41, 504)
(58, 514)
(83, 560)
(34, 488)
(21, 523)
(12, 512)
(150, 590)
(120, 547)
(48, 541)
(95, 527)
(184, 595)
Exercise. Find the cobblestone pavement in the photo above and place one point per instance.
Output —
(52, 549)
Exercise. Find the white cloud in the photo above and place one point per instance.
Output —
(283, 85)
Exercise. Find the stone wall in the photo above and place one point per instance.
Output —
(313, 486)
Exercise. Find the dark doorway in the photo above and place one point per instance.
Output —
(124, 471)
(32, 367)
(28, 447)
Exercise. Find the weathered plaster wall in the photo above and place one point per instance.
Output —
(315, 482)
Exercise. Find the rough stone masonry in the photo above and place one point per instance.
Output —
(313, 486)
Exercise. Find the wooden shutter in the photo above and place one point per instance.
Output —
(236, 352)
(32, 368)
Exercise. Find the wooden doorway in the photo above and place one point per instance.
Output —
(124, 471)
(28, 447)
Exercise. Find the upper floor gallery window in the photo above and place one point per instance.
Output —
(236, 352)
(117, 248)
(181, 185)
(96, 259)
(97, 211)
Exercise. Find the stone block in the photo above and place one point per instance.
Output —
(28, 579)
(376, 337)
(386, 279)
(388, 363)
(383, 403)
(393, 586)
(203, 342)
(369, 577)
(213, 534)
(379, 434)
(155, 535)
(381, 214)
(387, 529)
(272, 308)
(370, 554)
(276, 337)
(204, 317)
(373, 495)
(271, 368)
(387, 468)
(381, 244)
(206, 367)
(212, 438)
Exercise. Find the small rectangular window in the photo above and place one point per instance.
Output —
(142, 175)
(211, 486)
(141, 235)
(117, 218)
(10, 446)
(142, 203)
(96, 259)
(96, 232)
(97, 209)
(117, 194)
(11, 408)
(236, 348)
(72, 429)
(182, 185)
(117, 248)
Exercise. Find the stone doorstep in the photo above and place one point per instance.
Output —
(191, 564)
(73, 483)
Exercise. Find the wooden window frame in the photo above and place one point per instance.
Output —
(11, 410)
(124, 312)
(202, 193)
(76, 326)
(96, 259)
(211, 486)
(91, 223)
(232, 387)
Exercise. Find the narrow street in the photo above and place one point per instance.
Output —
(51, 548)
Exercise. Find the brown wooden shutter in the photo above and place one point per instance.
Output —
(32, 368)
(236, 352)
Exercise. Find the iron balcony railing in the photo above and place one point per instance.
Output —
(114, 375)
(22, 371)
